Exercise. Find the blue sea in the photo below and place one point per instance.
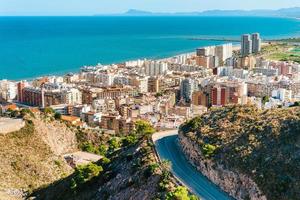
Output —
(36, 46)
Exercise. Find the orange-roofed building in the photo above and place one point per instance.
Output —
(71, 120)
(11, 107)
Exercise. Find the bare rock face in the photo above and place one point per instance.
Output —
(58, 136)
(238, 185)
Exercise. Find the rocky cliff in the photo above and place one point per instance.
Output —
(250, 153)
(239, 186)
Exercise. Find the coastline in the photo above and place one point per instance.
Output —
(236, 47)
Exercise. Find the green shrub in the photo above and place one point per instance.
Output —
(102, 150)
(57, 116)
(129, 140)
(151, 169)
(180, 193)
(144, 128)
(49, 111)
(208, 150)
(89, 147)
(84, 173)
(114, 144)
(105, 161)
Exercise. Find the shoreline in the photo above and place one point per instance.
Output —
(77, 70)
(235, 46)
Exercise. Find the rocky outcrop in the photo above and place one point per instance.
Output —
(56, 135)
(238, 185)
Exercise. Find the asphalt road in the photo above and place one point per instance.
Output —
(168, 149)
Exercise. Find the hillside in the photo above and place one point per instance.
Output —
(129, 169)
(31, 157)
(251, 153)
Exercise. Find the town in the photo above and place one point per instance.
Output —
(165, 92)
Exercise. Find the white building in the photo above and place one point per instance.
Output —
(72, 96)
(155, 68)
(121, 80)
(246, 45)
(104, 79)
(256, 43)
(282, 94)
(223, 52)
(186, 89)
(8, 90)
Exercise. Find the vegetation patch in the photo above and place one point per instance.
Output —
(264, 144)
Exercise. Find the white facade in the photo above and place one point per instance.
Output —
(121, 80)
(155, 68)
(223, 52)
(186, 89)
(72, 96)
(256, 43)
(282, 94)
(246, 45)
(104, 79)
(8, 90)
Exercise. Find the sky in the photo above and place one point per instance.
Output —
(92, 7)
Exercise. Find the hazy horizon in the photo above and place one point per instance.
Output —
(105, 7)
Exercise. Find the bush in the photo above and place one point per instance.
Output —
(105, 161)
(114, 144)
(151, 169)
(57, 116)
(84, 173)
(89, 147)
(143, 128)
(265, 99)
(49, 111)
(129, 140)
(102, 150)
(180, 193)
(208, 150)
(26, 111)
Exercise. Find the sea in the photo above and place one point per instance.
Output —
(37, 46)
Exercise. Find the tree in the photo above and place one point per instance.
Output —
(180, 193)
(84, 173)
(14, 113)
(57, 116)
(89, 147)
(49, 111)
(26, 111)
(129, 140)
(102, 150)
(297, 103)
(208, 150)
(114, 144)
(144, 128)
(265, 99)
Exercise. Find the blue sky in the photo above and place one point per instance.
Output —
(91, 7)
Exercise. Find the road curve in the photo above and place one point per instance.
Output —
(168, 149)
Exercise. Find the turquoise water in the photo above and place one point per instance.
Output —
(33, 46)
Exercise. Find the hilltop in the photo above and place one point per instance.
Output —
(250, 153)
(32, 156)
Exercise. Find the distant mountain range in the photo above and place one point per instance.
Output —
(285, 12)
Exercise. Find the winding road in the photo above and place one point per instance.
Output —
(168, 149)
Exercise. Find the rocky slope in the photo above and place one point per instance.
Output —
(250, 153)
(30, 157)
(132, 173)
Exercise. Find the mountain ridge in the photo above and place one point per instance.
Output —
(293, 12)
